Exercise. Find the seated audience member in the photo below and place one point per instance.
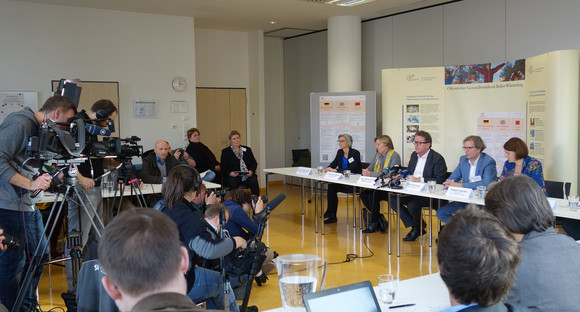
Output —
(385, 158)
(183, 186)
(239, 165)
(548, 277)
(347, 158)
(519, 162)
(145, 263)
(478, 258)
(205, 160)
(425, 165)
(239, 202)
(156, 166)
(475, 169)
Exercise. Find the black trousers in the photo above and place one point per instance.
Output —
(332, 197)
(372, 200)
(410, 209)
(251, 182)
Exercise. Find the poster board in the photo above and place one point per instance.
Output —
(93, 91)
(336, 113)
(14, 101)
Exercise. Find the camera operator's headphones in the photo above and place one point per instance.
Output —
(105, 113)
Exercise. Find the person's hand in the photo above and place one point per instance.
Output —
(413, 179)
(250, 173)
(211, 199)
(240, 242)
(234, 174)
(185, 155)
(329, 169)
(218, 168)
(41, 183)
(449, 183)
(177, 154)
(366, 172)
(2, 246)
(259, 205)
(87, 183)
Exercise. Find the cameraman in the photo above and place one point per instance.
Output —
(19, 178)
(101, 112)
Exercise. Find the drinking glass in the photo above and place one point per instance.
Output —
(387, 287)
(319, 169)
(573, 202)
(431, 184)
(346, 173)
(481, 190)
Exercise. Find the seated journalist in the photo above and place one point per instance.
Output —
(478, 258)
(548, 277)
(157, 165)
(144, 262)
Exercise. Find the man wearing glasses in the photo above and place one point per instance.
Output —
(425, 165)
(474, 169)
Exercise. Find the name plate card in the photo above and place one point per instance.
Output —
(366, 181)
(335, 176)
(304, 171)
(461, 192)
(553, 204)
(415, 186)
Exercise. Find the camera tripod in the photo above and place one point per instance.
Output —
(126, 177)
(69, 189)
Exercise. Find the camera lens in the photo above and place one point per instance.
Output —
(12, 242)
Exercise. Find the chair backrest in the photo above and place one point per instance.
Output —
(557, 189)
(364, 165)
(297, 154)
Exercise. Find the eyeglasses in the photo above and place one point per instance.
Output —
(417, 142)
(468, 148)
(341, 141)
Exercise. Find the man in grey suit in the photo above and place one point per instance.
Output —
(425, 165)
(474, 169)
(548, 278)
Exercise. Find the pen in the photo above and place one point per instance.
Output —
(402, 306)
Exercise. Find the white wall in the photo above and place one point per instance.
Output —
(464, 32)
(274, 97)
(143, 52)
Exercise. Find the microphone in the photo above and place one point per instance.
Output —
(275, 202)
(96, 130)
(384, 173)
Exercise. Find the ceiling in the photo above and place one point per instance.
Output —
(293, 17)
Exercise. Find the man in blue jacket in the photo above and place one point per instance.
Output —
(475, 169)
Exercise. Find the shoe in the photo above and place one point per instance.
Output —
(373, 227)
(275, 254)
(250, 309)
(384, 224)
(330, 220)
(413, 234)
(268, 267)
(261, 279)
(327, 214)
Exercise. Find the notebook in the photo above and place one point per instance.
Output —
(358, 297)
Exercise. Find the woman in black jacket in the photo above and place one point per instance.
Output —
(239, 165)
(346, 158)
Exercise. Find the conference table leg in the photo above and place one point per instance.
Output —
(316, 206)
(267, 193)
(322, 205)
(354, 207)
(430, 222)
(302, 194)
(389, 222)
(399, 225)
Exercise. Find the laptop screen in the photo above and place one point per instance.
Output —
(358, 297)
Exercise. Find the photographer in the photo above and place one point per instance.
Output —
(101, 112)
(184, 186)
(239, 202)
(19, 178)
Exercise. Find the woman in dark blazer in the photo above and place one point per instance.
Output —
(346, 158)
(239, 165)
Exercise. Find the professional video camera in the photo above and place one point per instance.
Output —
(122, 148)
(54, 143)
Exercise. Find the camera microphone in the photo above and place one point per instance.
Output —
(96, 130)
(275, 202)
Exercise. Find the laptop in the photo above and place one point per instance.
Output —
(358, 297)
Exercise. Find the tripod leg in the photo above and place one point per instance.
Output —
(138, 193)
(34, 267)
(85, 203)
